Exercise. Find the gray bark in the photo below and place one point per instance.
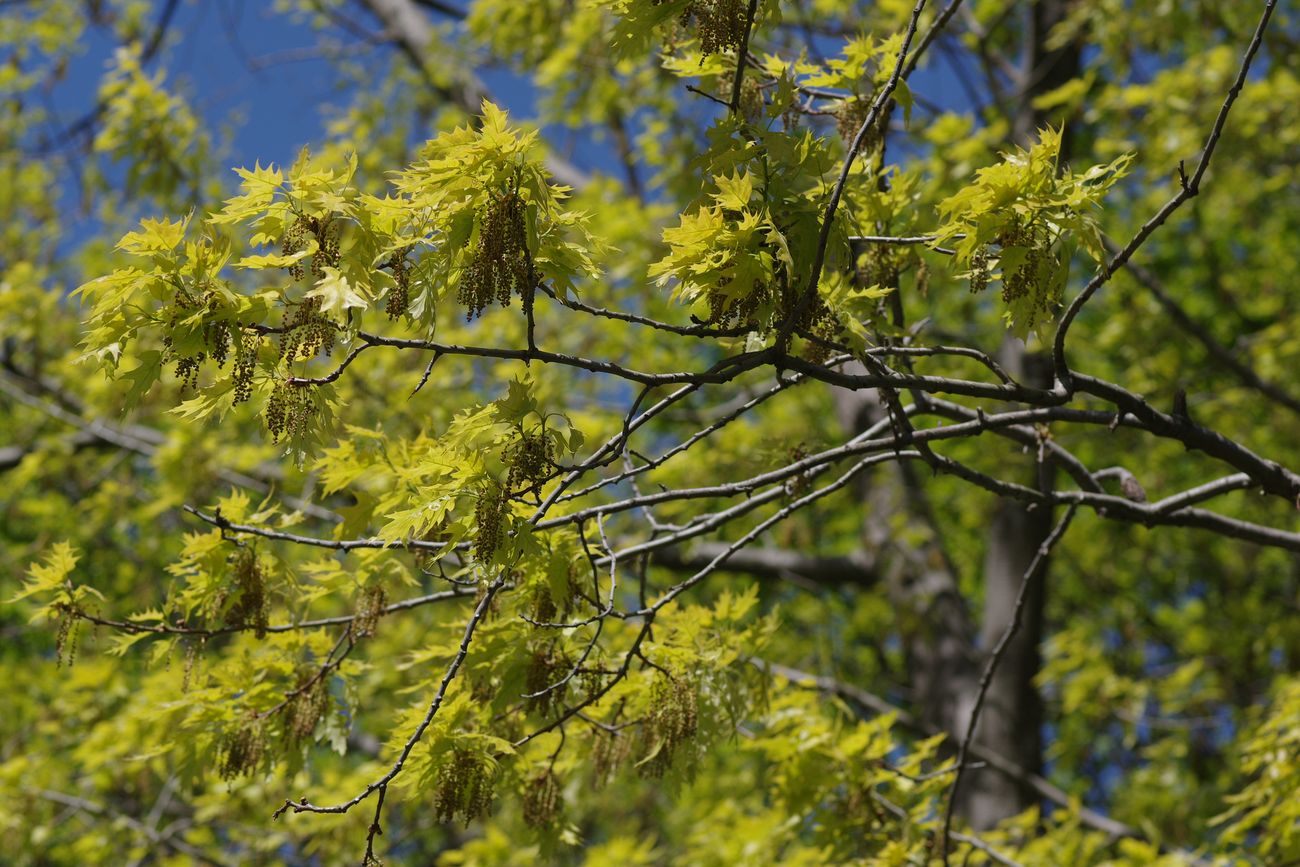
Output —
(945, 647)
(1012, 718)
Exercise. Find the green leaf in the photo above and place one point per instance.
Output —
(734, 192)
(337, 294)
(49, 575)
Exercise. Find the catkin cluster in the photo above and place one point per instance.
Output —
(673, 721)
(849, 118)
(242, 750)
(547, 667)
(881, 266)
(608, 753)
(541, 802)
(980, 273)
(187, 368)
(502, 263)
(767, 306)
(326, 233)
(544, 607)
(182, 307)
(370, 607)
(216, 334)
(399, 299)
(305, 708)
(248, 587)
(66, 635)
(751, 99)
(288, 411)
(720, 24)
(218, 338)
(191, 659)
(306, 332)
(726, 312)
(245, 363)
(822, 328)
(814, 320)
(464, 787)
(531, 458)
(489, 516)
(1024, 281)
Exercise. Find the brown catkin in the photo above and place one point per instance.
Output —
(242, 750)
(370, 607)
(187, 371)
(545, 669)
(464, 788)
(399, 298)
(719, 23)
(823, 328)
(191, 657)
(530, 459)
(327, 245)
(502, 264)
(245, 364)
(751, 100)
(673, 721)
(65, 642)
(306, 333)
(979, 270)
(250, 607)
(543, 605)
(288, 411)
(217, 337)
(1024, 282)
(292, 243)
(304, 710)
(609, 752)
(541, 802)
(489, 513)
(727, 312)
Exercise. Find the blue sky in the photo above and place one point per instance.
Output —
(243, 62)
(257, 76)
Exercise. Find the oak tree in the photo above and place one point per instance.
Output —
(882, 453)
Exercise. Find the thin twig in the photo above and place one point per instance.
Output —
(305, 806)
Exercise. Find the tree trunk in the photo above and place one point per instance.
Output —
(945, 651)
(1012, 719)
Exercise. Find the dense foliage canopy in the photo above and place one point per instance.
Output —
(881, 452)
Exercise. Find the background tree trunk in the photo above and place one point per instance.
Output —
(944, 649)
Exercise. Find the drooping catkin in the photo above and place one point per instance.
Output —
(672, 722)
(248, 587)
(242, 749)
(489, 515)
(502, 264)
(464, 787)
(541, 802)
